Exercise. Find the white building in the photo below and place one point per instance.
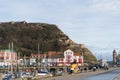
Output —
(62, 59)
(8, 58)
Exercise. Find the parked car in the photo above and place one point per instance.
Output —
(1, 67)
(15, 74)
(7, 76)
(23, 74)
(44, 74)
(59, 73)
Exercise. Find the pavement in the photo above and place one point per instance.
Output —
(78, 75)
(118, 77)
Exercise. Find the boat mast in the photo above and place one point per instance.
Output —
(39, 56)
(11, 52)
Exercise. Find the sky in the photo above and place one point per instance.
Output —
(94, 23)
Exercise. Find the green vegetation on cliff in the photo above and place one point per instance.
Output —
(27, 36)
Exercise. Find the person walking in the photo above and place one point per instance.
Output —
(94, 68)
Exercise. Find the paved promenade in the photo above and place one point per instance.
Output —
(78, 76)
(117, 78)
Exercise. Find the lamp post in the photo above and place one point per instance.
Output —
(82, 53)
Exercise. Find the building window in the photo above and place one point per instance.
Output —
(61, 60)
(1, 58)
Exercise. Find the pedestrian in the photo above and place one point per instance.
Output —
(85, 69)
(94, 68)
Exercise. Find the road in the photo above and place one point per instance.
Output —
(110, 75)
(97, 75)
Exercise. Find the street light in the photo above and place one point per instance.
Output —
(81, 50)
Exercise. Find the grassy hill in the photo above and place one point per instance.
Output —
(26, 37)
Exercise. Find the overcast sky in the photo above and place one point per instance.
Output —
(95, 23)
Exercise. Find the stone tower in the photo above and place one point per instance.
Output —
(114, 56)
